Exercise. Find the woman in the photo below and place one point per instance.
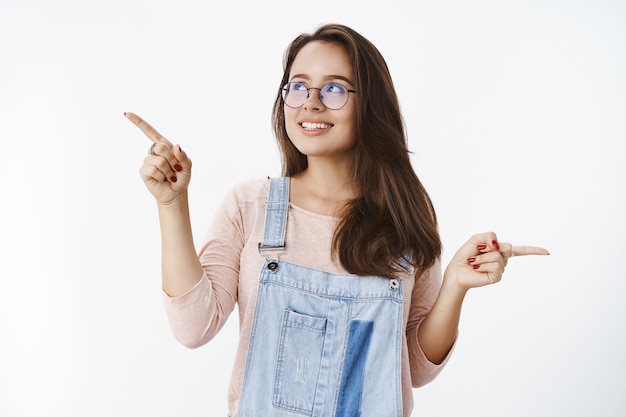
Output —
(348, 311)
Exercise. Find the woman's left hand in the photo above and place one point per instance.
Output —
(481, 260)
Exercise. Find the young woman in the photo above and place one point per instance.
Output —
(335, 265)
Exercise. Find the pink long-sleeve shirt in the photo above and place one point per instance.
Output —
(232, 263)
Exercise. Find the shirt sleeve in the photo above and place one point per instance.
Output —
(197, 316)
(425, 292)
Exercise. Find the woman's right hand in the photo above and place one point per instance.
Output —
(166, 170)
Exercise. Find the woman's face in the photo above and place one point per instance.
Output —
(315, 130)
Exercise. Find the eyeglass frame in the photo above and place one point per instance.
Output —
(284, 89)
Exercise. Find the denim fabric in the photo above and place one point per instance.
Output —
(321, 345)
(351, 389)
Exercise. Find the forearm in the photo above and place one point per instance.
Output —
(437, 332)
(181, 269)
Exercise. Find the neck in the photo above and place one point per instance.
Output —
(324, 187)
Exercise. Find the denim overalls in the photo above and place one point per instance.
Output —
(321, 345)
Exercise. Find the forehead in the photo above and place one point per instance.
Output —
(322, 60)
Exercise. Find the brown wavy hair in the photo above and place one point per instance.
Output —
(392, 213)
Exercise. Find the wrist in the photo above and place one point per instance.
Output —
(451, 288)
(175, 204)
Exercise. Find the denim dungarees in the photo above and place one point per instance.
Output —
(321, 345)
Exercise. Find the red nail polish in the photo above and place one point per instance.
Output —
(476, 266)
(178, 167)
(471, 260)
(494, 243)
(173, 178)
(481, 247)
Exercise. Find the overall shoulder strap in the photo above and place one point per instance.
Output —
(404, 262)
(276, 209)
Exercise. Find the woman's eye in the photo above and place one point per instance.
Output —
(335, 88)
(299, 87)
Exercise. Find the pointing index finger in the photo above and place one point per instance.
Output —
(147, 129)
(529, 250)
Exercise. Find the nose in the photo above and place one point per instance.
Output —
(313, 101)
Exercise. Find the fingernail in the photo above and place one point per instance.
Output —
(173, 178)
(471, 260)
(495, 244)
(475, 266)
(178, 167)
(481, 247)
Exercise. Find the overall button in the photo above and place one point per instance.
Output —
(272, 266)
(394, 284)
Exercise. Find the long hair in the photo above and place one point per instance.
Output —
(392, 212)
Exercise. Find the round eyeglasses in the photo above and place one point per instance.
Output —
(332, 95)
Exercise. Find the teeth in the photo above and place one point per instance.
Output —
(313, 126)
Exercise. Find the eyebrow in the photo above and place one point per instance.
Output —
(328, 77)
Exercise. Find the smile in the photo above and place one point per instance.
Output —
(315, 126)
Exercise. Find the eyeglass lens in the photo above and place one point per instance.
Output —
(333, 96)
